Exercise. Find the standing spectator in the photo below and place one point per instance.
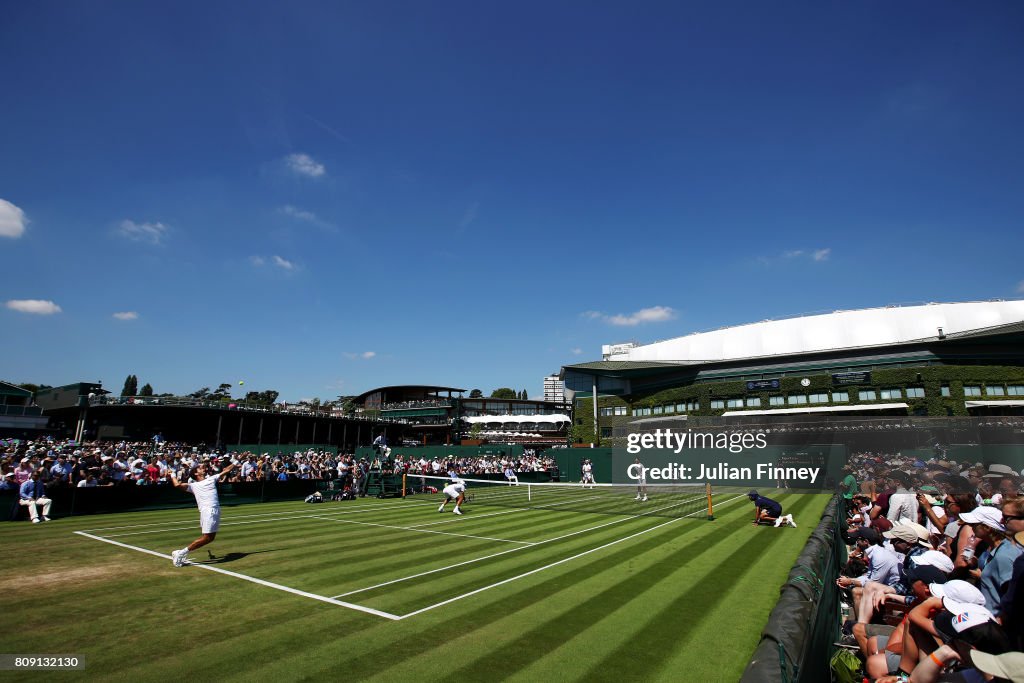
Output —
(31, 495)
(903, 502)
(849, 483)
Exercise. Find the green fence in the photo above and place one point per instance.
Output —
(73, 501)
(442, 452)
(280, 449)
(796, 643)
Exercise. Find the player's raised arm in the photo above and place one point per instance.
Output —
(174, 480)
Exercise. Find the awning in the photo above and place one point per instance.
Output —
(819, 409)
(518, 419)
(987, 404)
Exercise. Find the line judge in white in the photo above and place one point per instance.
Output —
(204, 487)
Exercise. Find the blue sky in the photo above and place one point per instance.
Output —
(320, 198)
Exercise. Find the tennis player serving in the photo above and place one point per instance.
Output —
(454, 491)
(204, 488)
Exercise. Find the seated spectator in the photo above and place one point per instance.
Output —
(996, 562)
(32, 495)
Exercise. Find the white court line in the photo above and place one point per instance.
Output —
(469, 518)
(547, 566)
(165, 528)
(503, 552)
(268, 584)
(421, 531)
(273, 515)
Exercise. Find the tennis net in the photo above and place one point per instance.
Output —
(663, 500)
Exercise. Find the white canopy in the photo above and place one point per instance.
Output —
(519, 419)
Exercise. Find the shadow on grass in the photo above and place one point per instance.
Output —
(230, 557)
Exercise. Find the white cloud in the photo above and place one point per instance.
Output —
(283, 263)
(142, 232)
(257, 261)
(307, 216)
(301, 214)
(654, 314)
(365, 355)
(303, 164)
(12, 220)
(576, 352)
(1020, 287)
(34, 306)
(127, 315)
(817, 255)
(469, 215)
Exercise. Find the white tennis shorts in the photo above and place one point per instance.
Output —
(209, 520)
(451, 492)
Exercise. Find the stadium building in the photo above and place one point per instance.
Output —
(938, 359)
(432, 415)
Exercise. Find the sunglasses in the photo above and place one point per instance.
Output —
(1007, 518)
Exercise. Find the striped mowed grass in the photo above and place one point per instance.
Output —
(497, 594)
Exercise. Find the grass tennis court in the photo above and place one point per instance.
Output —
(392, 590)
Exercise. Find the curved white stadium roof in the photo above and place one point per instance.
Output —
(832, 331)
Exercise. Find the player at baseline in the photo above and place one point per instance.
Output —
(588, 473)
(641, 482)
(454, 491)
(204, 488)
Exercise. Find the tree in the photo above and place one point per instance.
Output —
(146, 390)
(223, 391)
(503, 392)
(201, 393)
(476, 393)
(525, 395)
(131, 386)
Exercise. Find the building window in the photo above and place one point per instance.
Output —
(620, 410)
(776, 400)
(995, 391)
(693, 406)
(681, 407)
(670, 409)
(888, 394)
(818, 398)
(915, 392)
(717, 404)
(944, 390)
(753, 403)
(840, 397)
(867, 395)
(797, 400)
(606, 412)
(1015, 390)
(972, 390)
(658, 410)
(735, 403)
(606, 432)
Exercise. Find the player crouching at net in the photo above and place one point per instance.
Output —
(204, 488)
(454, 491)
(768, 511)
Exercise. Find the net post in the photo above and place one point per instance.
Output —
(404, 487)
(711, 508)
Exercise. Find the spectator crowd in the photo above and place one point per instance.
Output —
(936, 557)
